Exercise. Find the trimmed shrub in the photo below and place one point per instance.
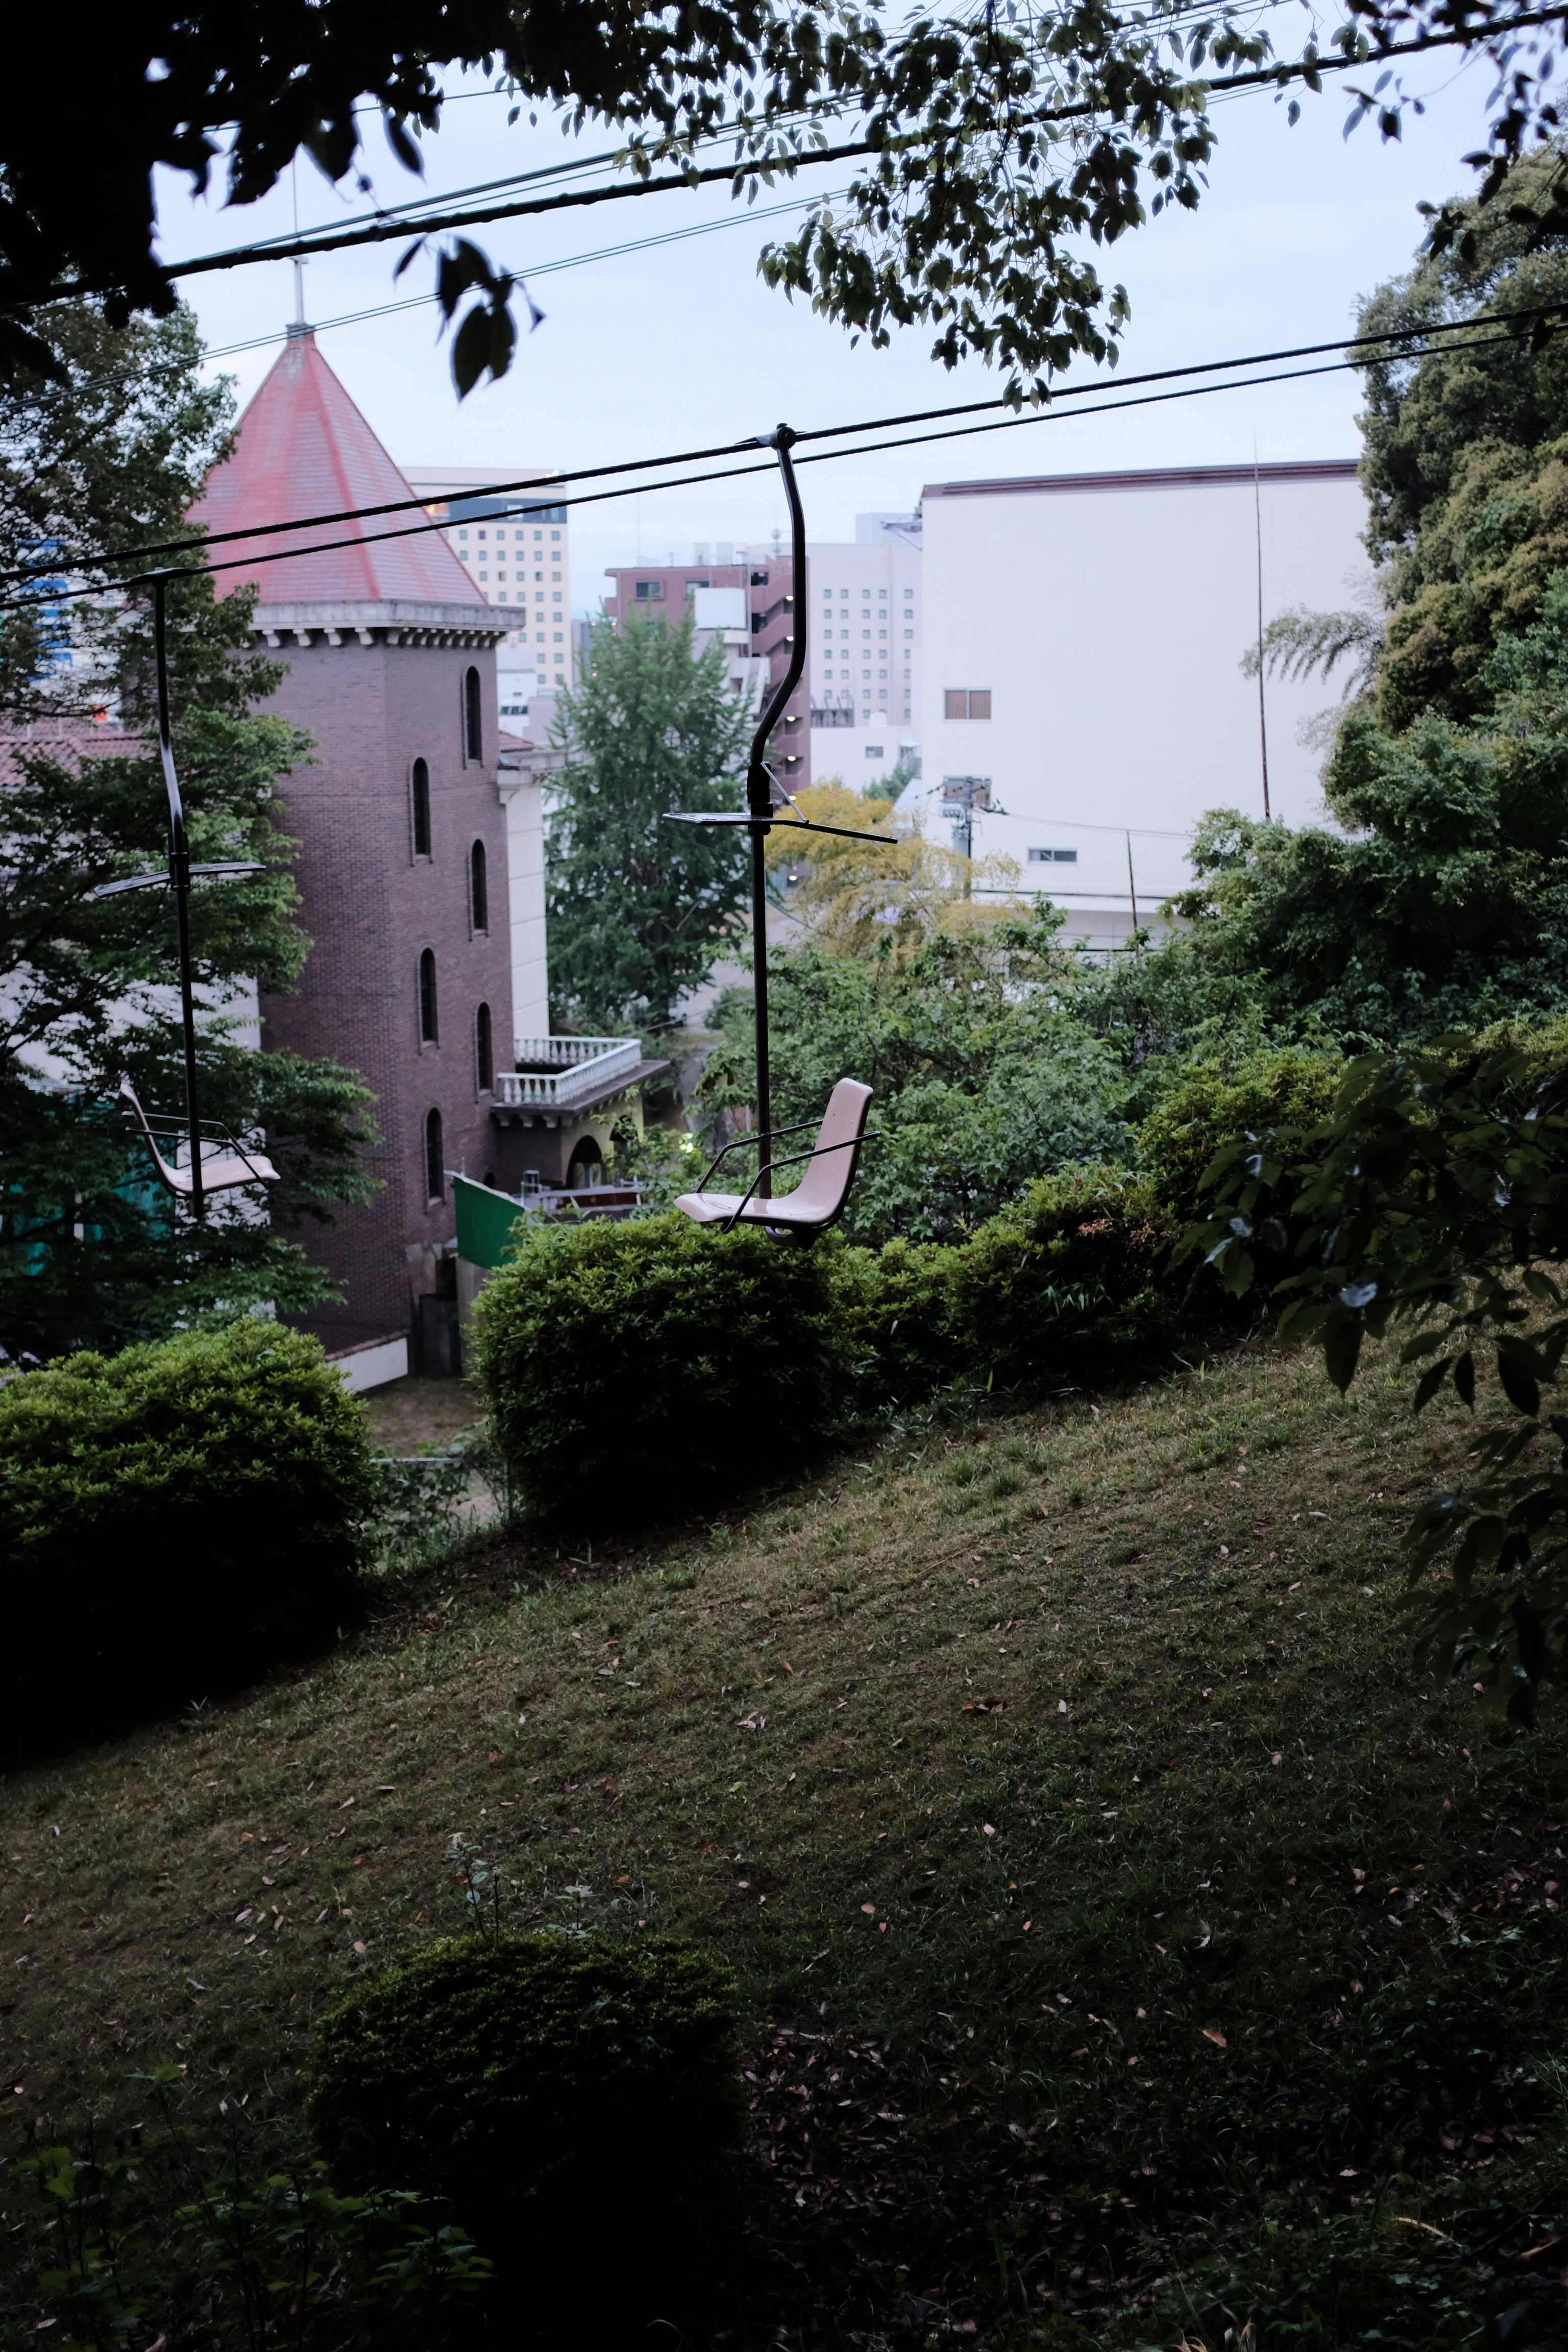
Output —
(576, 2100)
(172, 1519)
(1211, 1105)
(1069, 1284)
(636, 1367)
(899, 1307)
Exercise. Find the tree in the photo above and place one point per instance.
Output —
(1443, 899)
(853, 896)
(994, 146)
(638, 910)
(90, 1251)
(1466, 462)
(984, 1078)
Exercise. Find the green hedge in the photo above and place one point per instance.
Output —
(637, 1368)
(1211, 1104)
(1066, 1285)
(645, 1365)
(172, 1519)
(576, 2100)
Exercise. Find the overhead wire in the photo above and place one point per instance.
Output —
(1277, 76)
(54, 596)
(1464, 330)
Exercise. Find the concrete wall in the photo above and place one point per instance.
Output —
(1107, 614)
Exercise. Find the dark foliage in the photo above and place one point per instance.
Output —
(172, 1520)
(577, 2101)
(633, 1369)
(1436, 1196)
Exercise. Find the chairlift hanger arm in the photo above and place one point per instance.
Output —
(162, 881)
(775, 821)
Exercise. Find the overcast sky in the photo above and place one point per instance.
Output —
(683, 344)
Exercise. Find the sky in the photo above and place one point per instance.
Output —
(684, 345)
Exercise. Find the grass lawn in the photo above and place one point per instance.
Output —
(1113, 1903)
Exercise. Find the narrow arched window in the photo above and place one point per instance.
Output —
(421, 809)
(479, 895)
(473, 733)
(434, 1157)
(429, 1034)
(484, 1050)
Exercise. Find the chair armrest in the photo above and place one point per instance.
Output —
(738, 1142)
(850, 1143)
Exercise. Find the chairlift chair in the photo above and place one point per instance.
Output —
(819, 1197)
(218, 1174)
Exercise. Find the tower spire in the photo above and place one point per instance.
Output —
(299, 330)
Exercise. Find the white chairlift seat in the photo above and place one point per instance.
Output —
(820, 1195)
(219, 1174)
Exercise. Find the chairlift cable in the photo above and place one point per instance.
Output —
(538, 486)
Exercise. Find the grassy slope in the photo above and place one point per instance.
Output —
(1065, 1778)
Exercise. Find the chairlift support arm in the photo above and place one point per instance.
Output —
(765, 796)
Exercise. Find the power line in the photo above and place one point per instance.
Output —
(680, 481)
(1400, 337)
(1308, 69)
(536, 270)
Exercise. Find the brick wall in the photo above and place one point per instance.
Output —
(371, 906)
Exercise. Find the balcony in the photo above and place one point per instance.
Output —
(561, 1074)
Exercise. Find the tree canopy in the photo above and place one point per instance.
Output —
(994, 149)
(638, 910)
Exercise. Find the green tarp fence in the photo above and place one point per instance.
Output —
(485, 1222)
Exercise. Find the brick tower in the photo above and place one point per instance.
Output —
(403, 860)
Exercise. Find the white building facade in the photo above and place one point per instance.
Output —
(866, 606)
(1083, 637)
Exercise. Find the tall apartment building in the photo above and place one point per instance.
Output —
(517, 554)
(747, 601)
(865, 627)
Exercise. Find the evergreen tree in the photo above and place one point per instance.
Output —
(640, 910)
(91, 1251)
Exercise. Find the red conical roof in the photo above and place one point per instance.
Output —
(304, 448)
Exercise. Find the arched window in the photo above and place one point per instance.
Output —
(484, 1051)
(479, 891)
(429, 1033)
(421, 809)
(434, 1157)
(473, 733)
(586, 1165)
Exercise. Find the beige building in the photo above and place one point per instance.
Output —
(517, 554)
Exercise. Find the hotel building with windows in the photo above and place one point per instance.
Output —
(865, 608)
(517, 552)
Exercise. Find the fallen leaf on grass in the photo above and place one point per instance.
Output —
(1211, 2034)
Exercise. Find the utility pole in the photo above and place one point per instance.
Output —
(1262, 714)
(961, 796)
(1132, 886)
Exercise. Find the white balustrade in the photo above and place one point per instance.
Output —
(581, 1066)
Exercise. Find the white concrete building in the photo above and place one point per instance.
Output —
(866, 604)
(517, 552)
(1083, 634)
